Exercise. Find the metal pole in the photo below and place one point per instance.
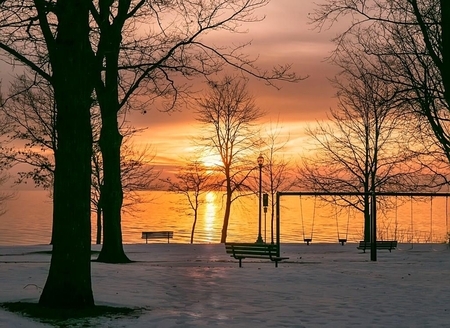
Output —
(265, 223)
(373, 228)
(260, 240)
(277, 204)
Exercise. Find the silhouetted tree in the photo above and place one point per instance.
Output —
(137, 174)
(53, 39)
(229, 116)
(152, 64)
(365, 146)
(5, 163)
(31, 114)
(407, 42)
(278, 171)
(192, 181)
(81, 45)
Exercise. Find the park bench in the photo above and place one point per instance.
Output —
(156, 235)
(380, 244)
(254, 250)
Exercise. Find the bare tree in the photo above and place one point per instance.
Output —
(229, 116)
(408, 44)
(31, 114)
(53, 39)
(5, 163)
(278, 171)
(137, 174)
(154, 64)
(78, 46)
(366, 146)
(192, 181)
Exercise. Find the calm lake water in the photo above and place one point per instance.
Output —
(28, 220)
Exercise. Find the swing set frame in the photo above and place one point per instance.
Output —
(373, 209)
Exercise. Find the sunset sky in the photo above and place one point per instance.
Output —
(284, 36)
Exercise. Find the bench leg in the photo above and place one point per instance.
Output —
(276, 264)
(240, 263)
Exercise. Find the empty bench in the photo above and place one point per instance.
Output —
(241, 251)
(382, 244)
(157, 235)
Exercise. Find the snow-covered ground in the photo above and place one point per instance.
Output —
(181, 285)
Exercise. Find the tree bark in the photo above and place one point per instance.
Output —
(99, 224)
(445, 25)
(110, 138)
(111, 191)
(194, 224)
(69, 279)
(226, 217)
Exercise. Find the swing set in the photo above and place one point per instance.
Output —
(342, 234)
(307, 238)
(342, 240)
(429, 236)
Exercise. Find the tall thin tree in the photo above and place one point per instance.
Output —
(365, 146)
(229, 118)
(192, 181)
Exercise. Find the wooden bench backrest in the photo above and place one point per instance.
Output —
(380, 243)
(157, 234)
(251, 249)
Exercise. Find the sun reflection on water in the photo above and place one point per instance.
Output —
(209, 217)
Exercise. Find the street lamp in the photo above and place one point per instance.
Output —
(260, 160)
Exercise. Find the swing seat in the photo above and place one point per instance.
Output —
(307, 240)
(342, 241)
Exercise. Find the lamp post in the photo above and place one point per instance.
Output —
(260, 160)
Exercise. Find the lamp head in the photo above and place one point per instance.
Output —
(260, 160)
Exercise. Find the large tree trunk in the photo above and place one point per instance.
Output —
(99, 223)
(111, 192)
(69, 279)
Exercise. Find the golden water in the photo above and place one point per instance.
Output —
(28, 220)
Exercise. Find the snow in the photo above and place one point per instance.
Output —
(183, 285)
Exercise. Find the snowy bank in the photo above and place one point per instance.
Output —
(182, 285)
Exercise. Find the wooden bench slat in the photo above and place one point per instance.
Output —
(254, 250)
(156, 235)
(380, 244)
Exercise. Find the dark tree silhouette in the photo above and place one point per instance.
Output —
(52, 38)
(408, 44)
(152, 64)
(192, 181)
(229, 116)
(277, 167)
(367, 144)
(137, 174)
(81, 45)
(31, 114)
